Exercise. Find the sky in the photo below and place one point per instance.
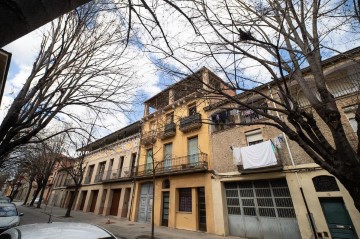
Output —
(181, 36)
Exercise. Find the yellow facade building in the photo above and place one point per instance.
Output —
(175, 145)
(107, 187)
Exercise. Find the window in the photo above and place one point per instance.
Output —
(121, 163)
(169, 118)
(254, 137)
(350, 114)
(223, 120)
(149, 155)
(167, 156)
(325, 184)
(185, 200)
(192, 109)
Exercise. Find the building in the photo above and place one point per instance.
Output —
(275, 200)
(175, 145)
(107, 187)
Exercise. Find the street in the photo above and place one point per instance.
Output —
(121, 228)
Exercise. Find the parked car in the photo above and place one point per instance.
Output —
(57, 230)
(4, 199)
(9, 216)
(37, 200)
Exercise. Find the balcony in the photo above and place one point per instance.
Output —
(169, 131)
(118, 174)
(190, 123)
(185, 164)
(274, 167)
(148, 138)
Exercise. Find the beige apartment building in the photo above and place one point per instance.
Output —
(275, 198)
(107, 187)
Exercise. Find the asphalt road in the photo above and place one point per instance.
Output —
(34, 215)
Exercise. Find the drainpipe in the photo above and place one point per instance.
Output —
(312, 223)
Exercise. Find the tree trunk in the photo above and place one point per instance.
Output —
(35, 195)
(41, 194)
(19, 17)
(72, 200)
(28, 192)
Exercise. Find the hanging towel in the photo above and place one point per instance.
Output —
(237, 156)
(258, 155)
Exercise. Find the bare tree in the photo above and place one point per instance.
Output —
(75, 166)
(287, 40)
(80, 63)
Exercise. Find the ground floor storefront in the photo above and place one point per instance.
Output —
(288, 204)
(106, 199)
(181, 201)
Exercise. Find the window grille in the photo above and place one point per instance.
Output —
(265, 198)
(325, 184)
(185, 200)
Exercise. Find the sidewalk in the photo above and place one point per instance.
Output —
(124, 229)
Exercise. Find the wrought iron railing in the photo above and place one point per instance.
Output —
(194, 162)
(169, 130)
(190, 122)
(148, 138)
(125, 172)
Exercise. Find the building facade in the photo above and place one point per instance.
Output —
(175, 157)
(107, 187)
(291, 196)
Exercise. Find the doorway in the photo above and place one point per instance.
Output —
(165, 209)
(337, 218)
(145, 203)
(115, 202)
(202, 209)
(83, 198)
(94, 199)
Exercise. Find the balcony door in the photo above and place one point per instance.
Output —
(167, 156)
(149, 155)
(193, 151)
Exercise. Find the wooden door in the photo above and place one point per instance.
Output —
(93, 201)
(83, 200)
(115, 202)
(202, 209)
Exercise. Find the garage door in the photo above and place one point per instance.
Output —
(261, 209)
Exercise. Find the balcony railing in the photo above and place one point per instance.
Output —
(168, 131)
(148, 138)
(273, 168)
(190, 123)
(123, 173)
(189, 163)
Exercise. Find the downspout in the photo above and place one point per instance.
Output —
(312, 223)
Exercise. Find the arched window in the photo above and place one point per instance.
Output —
(166, 184)
(325, 184)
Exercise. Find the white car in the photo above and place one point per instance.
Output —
(57, 230)
(9, 216)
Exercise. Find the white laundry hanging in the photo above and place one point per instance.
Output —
(237, 155)
(258, 155)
